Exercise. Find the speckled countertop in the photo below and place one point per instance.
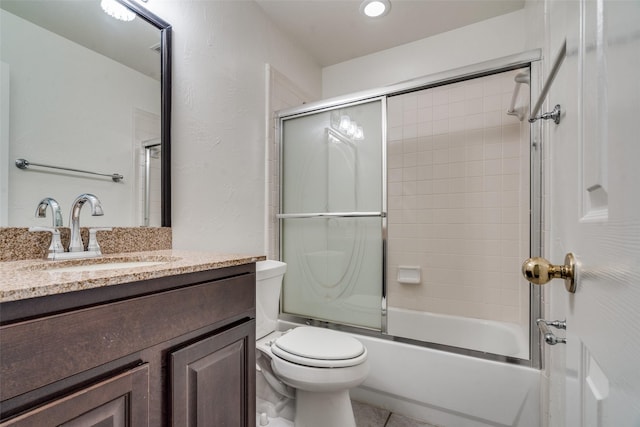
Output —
(38, 277)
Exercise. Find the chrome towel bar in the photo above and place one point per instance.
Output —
(551, 115)
(562, 52)
(520, 78)
(24, 164)
(333, 215)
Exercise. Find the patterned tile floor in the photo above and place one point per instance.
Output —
(372, 416)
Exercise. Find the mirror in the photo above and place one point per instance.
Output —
(83, 91)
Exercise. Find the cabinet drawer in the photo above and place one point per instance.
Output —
(41, 351)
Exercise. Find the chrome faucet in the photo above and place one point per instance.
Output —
(55, 248)
(75, 244)
(41, 211)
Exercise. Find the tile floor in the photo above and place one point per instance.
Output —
(372, 416)
(366, 416)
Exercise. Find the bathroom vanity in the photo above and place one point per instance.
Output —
(168, 344)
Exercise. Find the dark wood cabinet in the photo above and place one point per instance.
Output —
(208, 376)
(118, 401)
(174, 351)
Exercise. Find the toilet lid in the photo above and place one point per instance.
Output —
(318, 347)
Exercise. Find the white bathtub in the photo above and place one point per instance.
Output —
(447, 389)
(488, 336)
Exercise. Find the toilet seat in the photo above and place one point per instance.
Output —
(319, 348)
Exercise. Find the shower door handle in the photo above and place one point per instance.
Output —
(333, 215)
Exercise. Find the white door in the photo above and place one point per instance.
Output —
(594, 212)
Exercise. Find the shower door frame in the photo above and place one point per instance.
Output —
(383, 206)
(148, 146)
(531, 59)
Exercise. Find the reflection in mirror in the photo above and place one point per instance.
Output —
(82, 90)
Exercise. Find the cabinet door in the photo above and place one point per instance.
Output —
(121, 400)
(213, 380)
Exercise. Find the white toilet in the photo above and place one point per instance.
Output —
(321, 364)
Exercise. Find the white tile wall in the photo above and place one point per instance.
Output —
(458, 200)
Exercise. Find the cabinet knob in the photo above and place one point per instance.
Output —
(540, 271)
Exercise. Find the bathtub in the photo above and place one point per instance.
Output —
(489, 336)
(447, 389)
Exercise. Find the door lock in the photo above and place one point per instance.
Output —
(540, 271)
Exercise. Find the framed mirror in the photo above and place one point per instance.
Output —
(86, 104)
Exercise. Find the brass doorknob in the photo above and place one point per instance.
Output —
(540, 271)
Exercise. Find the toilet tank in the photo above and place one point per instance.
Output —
(269, 276)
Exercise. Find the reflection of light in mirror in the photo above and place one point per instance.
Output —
(352, 129)
(359, 134)
(345, 122)
(117, 10)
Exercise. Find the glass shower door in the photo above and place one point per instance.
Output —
(331, 218)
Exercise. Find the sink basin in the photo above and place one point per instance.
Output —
(100, 264)
(105, 266)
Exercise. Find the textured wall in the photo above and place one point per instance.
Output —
(219, 107)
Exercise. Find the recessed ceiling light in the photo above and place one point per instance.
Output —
(375, 8)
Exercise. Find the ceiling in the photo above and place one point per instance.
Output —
(334, 31)
(85, 23)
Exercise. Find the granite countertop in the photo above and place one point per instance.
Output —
(40, 277)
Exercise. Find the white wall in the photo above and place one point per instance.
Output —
(493, 38)
(61, 117)
(218, 137)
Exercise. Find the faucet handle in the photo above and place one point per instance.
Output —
(93, 239)
(56, 244)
